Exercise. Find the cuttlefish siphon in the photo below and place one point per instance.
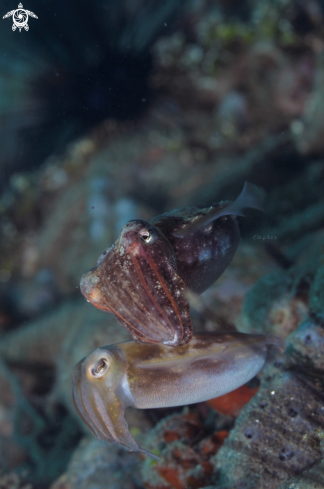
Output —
(114, 377)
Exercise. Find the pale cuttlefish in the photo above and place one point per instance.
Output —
(114, 377)
(143, 277)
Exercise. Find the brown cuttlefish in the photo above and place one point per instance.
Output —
(125, 374)
(143, 277)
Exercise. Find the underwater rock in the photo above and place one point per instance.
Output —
(305, 350)
(94, 463)
(11, 480)
(312, 478)
(40, 341)
(286, 80)
(308, 131)
(272, 306)
(224, 299)
(32, 297)
(266, 447)
(298, 289)
(281, 300)
(267, 444)
(11, 455)
(316, 293)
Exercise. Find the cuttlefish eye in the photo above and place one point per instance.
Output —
(148, 236)
(100, 367)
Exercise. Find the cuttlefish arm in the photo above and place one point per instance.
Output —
(144, 376)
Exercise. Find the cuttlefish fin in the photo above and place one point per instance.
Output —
(216, 352)
(251, 196)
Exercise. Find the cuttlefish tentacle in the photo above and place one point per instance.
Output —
(115, 377)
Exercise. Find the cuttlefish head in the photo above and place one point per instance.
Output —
(101, 393)
(137, 281)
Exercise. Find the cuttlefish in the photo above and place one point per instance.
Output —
(114, 377)
(143, 278)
